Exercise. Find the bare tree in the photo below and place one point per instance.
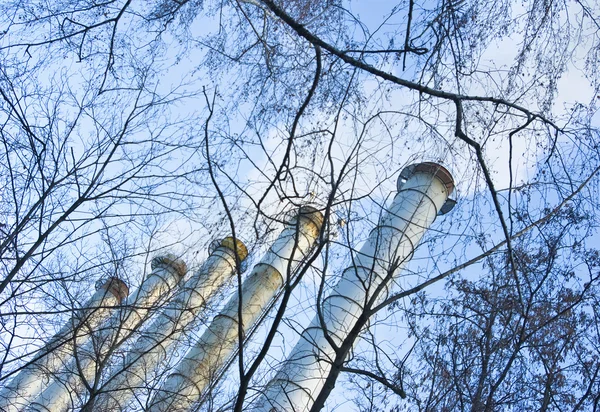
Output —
(129, 128)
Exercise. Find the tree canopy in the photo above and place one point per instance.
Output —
(130, 128)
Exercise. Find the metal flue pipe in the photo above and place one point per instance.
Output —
(199, 367)
(180, 317)
(423, 189)
(69, 385)
(34, 377)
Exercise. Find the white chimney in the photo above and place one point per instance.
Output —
(423, 190)
(184, 387)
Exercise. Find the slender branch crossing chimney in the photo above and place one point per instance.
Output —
(423, 191)
(200, 366)
(167, 271)
(151, 349)
(34, 377)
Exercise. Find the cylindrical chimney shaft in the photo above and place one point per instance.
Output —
(34, 377)
(68, 386)
(201, 364)
(180, 317)
(421, 194)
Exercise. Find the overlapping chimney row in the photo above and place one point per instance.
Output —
(166, 273)
(179, 318)
(35, 376)
(423, 189)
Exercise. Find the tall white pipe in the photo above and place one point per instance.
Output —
(180, 317)
(67, 388)
(34, 377)
(421, 195)
(200, 365)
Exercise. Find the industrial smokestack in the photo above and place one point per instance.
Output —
(201, 364)
(34, 377)
(167, 271)
(162, 335)
(423, 190)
